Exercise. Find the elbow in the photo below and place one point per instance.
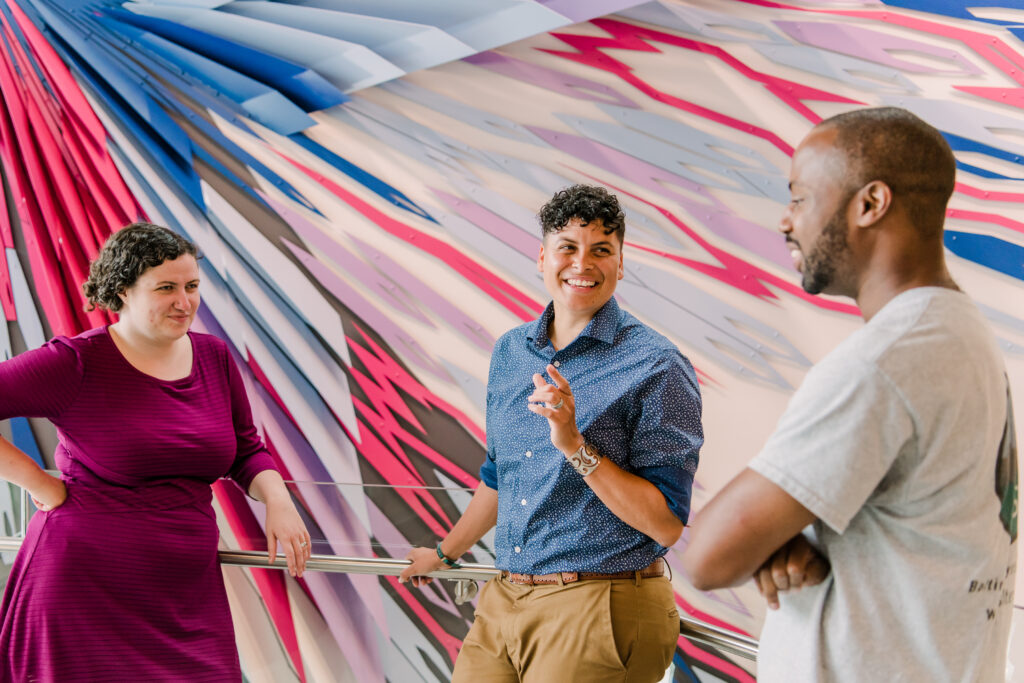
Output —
(669, 535)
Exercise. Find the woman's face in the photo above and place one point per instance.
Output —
(164, 300)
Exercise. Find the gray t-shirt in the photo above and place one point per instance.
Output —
(900, 442)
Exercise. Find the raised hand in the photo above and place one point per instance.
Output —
(557, 404)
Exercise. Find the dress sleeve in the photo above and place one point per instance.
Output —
(252, 457)
(668, 434)
(43, 382)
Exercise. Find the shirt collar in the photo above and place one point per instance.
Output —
(602, 326)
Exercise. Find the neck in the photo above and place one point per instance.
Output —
(130, 337)
(882, 282)
(565, 327)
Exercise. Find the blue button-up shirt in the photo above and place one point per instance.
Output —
(637, 403)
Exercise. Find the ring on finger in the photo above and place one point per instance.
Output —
(303, 544)
(561, 402)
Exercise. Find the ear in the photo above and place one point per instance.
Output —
(540, 259)
(871, 203)
(622, 270)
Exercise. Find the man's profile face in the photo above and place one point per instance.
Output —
(581, 266)
(815, 222)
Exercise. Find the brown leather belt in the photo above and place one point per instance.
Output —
(656, 568)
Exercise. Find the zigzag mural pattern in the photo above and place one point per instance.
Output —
(363, 188)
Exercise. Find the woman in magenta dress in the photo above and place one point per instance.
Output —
(118, 576)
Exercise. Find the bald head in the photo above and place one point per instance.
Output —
(899, 149)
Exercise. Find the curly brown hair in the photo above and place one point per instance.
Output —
(587, 203)
(126, 255)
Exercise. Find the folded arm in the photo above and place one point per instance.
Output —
(740, 529)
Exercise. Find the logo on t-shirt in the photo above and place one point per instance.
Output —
(1006, 473)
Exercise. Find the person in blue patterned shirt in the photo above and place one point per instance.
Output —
(593, 434)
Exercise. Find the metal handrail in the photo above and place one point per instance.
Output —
(693, 629)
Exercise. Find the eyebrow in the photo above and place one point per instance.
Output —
(174, 282)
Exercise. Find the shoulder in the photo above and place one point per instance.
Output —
(649, 345)
(512, 339)
(211, 348)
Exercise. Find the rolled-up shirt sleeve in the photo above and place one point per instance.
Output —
(667, 431)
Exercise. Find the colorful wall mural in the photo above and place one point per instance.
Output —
(362, 179)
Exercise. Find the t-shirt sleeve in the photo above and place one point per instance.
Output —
(837, 440)
(252, 457)
(43, 382)
(668, 435)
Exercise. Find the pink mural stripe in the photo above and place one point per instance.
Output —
(386, 369)
(86, 134)
(1011, 96)
(992, 49)
(983, 217)
(395, 474)
(705, 616)
(450, 644)
(716, 664)
(993, 195)
(628, 36)
(734, 271)
(508, 296)
(269, 582)
(6, 242)
(27, 182)
(392, 432)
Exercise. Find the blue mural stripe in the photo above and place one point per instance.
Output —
(955, 8)
(256, 100)
(961, 144)
(25, 440)
(991, 252)
(367, 180)
(303, 86)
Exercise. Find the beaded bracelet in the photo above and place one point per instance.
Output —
(441, 556)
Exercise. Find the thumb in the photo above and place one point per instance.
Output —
(271, 547)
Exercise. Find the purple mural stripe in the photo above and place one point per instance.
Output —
(363, 308)
(713, 213)
(455, 318)
(876, 46)
(491, 223)
(348, 262)
(575, 87)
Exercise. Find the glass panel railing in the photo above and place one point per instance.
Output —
(349, 608)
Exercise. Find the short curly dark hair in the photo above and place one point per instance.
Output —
(126, 255)
(584, 202)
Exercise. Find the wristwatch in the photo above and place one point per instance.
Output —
(585, 460)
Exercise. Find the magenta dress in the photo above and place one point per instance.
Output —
(121, 582)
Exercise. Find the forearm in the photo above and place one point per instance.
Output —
(268, 488)
(480, 517)
(19, 469)
(739, 529)
(635, 501)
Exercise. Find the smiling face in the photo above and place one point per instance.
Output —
(162, 303)
(581, 266)
(815, 221)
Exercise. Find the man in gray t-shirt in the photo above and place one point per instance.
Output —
(898, 449)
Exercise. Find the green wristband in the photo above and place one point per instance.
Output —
(441, 556)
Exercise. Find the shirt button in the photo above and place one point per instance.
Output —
(529, 454)
(557, 364)
(518, 549)
(522, 502)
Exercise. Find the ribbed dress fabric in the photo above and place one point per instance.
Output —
(121, 582)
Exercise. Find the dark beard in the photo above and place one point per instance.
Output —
(827, 252)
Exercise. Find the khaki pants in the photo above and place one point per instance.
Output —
(595, 631)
